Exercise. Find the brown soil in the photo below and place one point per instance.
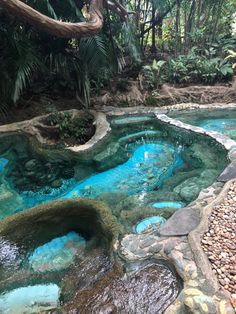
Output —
(37, 106)
(132, 96)
(197, 94)
(170, 95)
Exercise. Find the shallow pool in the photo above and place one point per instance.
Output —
(142, 163)
(145, 172)
(223, 121)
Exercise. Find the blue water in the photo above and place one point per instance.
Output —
(57, 254)
(153, 222)
(148, 167)
(176, 205)
(219, 120)
(226, 126)
(3, 163)
(30, 299)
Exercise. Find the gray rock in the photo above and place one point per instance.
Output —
(146, 242)
(229, 173)
(31, 164)
(155, 248)
(181, 222)
(190, 192)
(56, 183)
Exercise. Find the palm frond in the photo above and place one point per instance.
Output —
(46, 7)
(76, 10)
(93, 52)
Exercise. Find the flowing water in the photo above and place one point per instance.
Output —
(143, 163)
(145, 172)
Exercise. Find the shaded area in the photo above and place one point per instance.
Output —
(95, 277)
(25, 236)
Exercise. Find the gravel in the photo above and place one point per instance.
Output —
(219, 242)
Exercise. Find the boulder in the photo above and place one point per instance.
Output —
(181, 222)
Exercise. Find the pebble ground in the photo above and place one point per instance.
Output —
(219, 242)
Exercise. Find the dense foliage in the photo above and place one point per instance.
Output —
(189, 41)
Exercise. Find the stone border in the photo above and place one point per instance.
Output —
(116, 111)
(195, 236)
(201, 292)
(29, 127)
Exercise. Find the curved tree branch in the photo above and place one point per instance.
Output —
(54, 27)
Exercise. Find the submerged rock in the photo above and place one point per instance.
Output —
(56, 183)
(57, 254)
(114, 154)
(134, 175)
(10, 200)
(190, 188)
(30, 165)
(30, 299)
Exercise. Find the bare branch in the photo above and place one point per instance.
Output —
(54, 27)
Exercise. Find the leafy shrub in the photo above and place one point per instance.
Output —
(194, 68)
(73, 129)
(151, 101)
(150, 76)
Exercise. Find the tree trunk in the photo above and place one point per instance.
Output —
(54, 27)
(153, 47)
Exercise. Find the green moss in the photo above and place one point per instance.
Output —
(37, 225)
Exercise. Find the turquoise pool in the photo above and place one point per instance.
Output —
(223, 121)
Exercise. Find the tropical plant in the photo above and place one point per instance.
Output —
(232, 55)
(19, 62)
(71, 128)
(150, 76)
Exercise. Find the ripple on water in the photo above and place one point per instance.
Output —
(147, 289)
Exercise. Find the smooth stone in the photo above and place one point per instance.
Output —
(31, 164)
(132, 119)
(156, 248)
(181, 222)
(30, 299)
(137, 135)
(191, 192)
(56, 184)
(202, 304)
(229, 173)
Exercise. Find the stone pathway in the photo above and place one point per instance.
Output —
(219, 242)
